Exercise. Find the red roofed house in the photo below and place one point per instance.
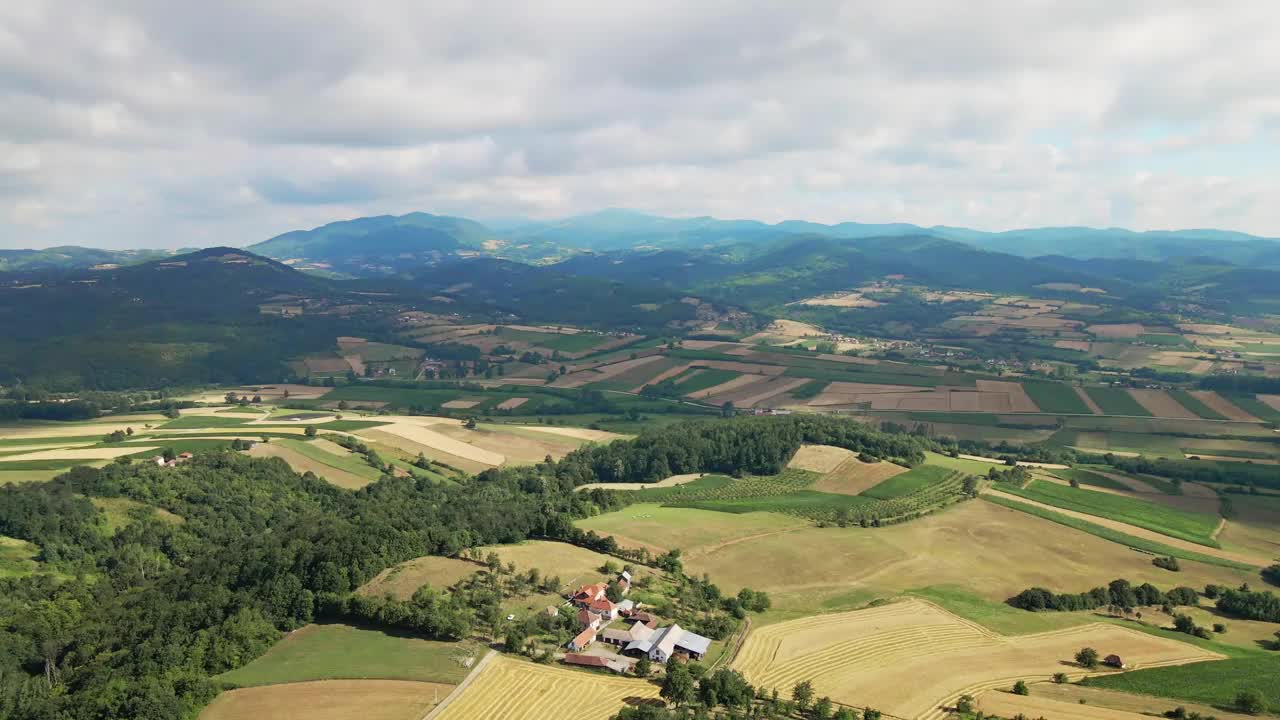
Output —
(584, 639)
(586, 660)
(604, 608)
(588, 594)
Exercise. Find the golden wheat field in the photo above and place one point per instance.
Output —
(509, 689)
(866, 657)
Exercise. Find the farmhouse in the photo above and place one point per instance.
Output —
(596, 661)
(588, 594)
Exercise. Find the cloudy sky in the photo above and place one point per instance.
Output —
(130, 123)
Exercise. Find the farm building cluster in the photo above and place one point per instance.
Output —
(626, 628)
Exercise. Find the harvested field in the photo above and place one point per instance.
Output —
(511, 403)
(509, 689)
(403, 580)
(326, 365)
(1121, 330)
(853, 477)
(329, 700)
(97, 453)
(1023, 463)
(516, 447)
(1272, 401)
(301, 464)
(853, 299)
(46, 446)
(1160, 404)
(412, 449)
(1002, 703)
(819, 458)
(866, 657)
(441, 442)
(460, 404)
(1231, 458)
(1106, 704)
(1221, 405)
(574, 432)
(669, 482)
(1018, 399)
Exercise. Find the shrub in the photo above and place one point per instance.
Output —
(1167, 563)
(1250, 701)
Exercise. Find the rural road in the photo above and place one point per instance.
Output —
(1137, 531)
(475, 672)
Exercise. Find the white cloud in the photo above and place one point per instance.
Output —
(136, 122)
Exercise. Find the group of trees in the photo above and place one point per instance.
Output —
(1249, 604)
(1119, 593)
(691, 691)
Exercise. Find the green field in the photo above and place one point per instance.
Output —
(1084, 477)
(703, 379)
(908, 482)
(1116, 536)
(1213, 683)
(1164, 340)
(1054, 397)
(14, 477)
(331, 652)
(1193, 527)
(353, 464)
(684, 528)
(965, 465)
(1116, 401)
(805, 503)
(1190, 402)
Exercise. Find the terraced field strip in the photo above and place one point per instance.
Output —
(1160, 404)
(1115, 401)
(1190, 526)
(77, 453)
(1155, 542)
(866, 657)
(509, 689)
(1222, 406)
(444, 443)
(1193, 403)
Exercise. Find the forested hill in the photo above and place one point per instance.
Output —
(133, 623)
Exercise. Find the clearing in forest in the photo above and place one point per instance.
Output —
(693, 531)
(330, 700)
(509, 689)
(302, 463)
(866, 657)
(403, 580)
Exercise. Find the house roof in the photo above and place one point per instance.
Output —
(601, 605)
(590, 592)
(586, 637)
(626, 605)
(585, 617)
(587, 660)
(668, 639)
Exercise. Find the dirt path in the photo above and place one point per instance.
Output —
(707, 550)
(1137, 531)
(475, 673)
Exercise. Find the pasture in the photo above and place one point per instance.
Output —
(510, 689)
(693, 531)
(1192, 527)
(343, 652)
(866, 657)
(329, 700)
(303, 463)
(572, 564)
(403, 580)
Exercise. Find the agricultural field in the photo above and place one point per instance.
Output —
(343, 652)
(1214, 684)
(1192, 527)
(1115, 401)
(329, 700)
(509, 689)
(866, 657)
(1056, 398)
(322, 464)
(694, 531)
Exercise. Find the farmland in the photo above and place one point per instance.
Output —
(1215, 684)
(507, 689)
(329, 700)
(866, 657)
(1196, 528)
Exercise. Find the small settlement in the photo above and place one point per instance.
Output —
(628, 631)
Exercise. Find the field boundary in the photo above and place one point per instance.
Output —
(466, 682)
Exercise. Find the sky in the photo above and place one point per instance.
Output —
(149, 123)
